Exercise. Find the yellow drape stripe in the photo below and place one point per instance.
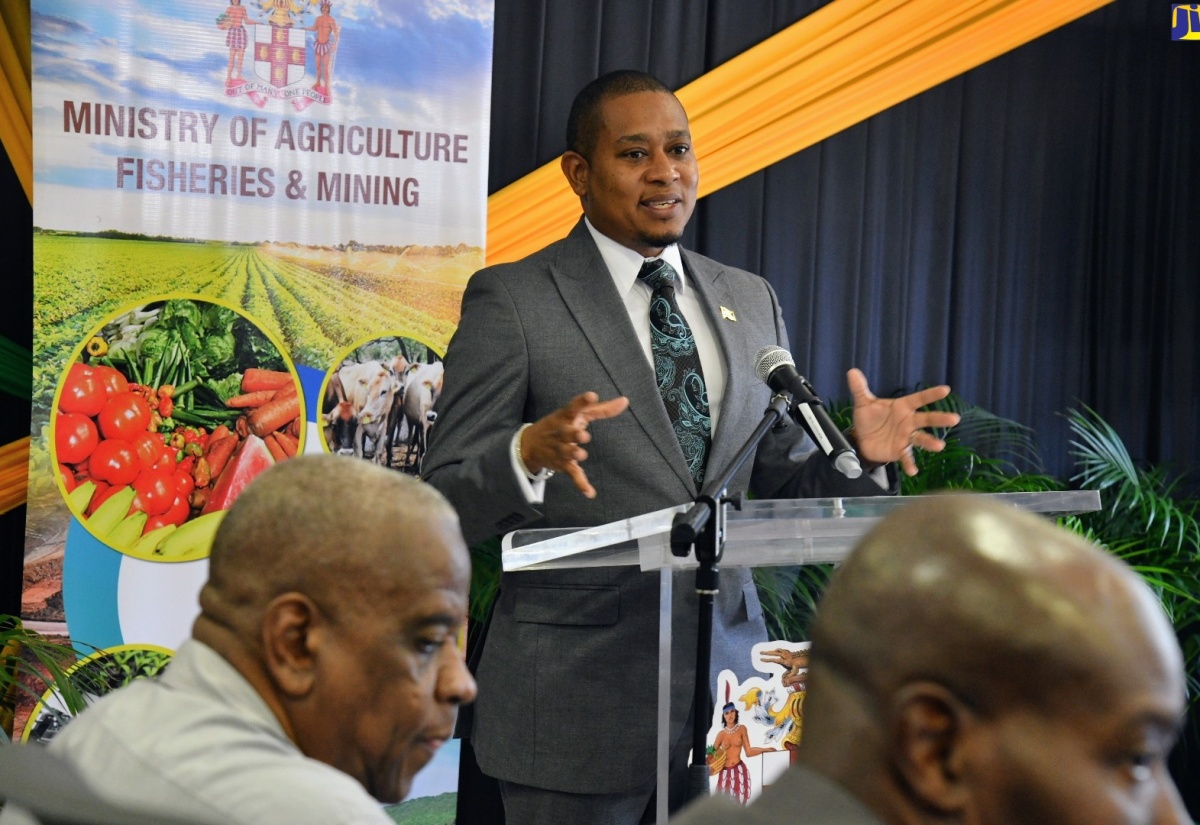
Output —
(16, 133)
(14, 474)
(845, 62)
(16, 99)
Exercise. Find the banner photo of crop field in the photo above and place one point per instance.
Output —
(253, 223)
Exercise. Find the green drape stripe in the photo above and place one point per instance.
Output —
(16, 369)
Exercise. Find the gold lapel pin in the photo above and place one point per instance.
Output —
(727, 314)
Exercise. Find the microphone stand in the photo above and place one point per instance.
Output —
(703, 526)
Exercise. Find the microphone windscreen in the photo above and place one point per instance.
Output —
(769, 359)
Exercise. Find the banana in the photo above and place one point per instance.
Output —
(193, 540)
(127, 532)
(109, 514)
(81, 496)
(147, 545)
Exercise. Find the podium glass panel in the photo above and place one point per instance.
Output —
(759, 533)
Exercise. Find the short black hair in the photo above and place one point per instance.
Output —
(583, 123)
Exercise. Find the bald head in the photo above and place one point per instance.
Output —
(992, 601)
(338, 589)
(957, 615)
(330, 528)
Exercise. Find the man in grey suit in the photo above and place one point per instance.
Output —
(1018, 675)
(566, 714)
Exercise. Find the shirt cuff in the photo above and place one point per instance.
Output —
(879, 476)
(532, 485)
(875, 472)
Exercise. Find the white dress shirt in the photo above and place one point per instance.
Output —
(623, 265)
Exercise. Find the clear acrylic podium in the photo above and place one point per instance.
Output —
(761, 533)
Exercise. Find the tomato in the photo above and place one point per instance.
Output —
(165, 407)
(148, 447)
(184, 483)
(74, 437)
(103, 491)
(124, 416)
(68, 477)
(113, 381)
(168, 457)
(155, 491)
(82, 391)
(178, 514)
(114, 461)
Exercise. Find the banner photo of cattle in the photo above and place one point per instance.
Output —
(377, 402)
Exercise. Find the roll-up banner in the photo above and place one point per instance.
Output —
(244, 214)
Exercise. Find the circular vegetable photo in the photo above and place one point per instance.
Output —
(166, 414)
(86, 681)
(378, 402)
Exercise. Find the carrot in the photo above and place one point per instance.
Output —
(255, 379)
(289, 443)
(273, 415)
(275, 447)
(293, 429)
(219, 451)
(241, 427)
(250, 399)
(286, 390)
(220, 432)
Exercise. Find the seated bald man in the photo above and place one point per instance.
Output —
(322, 672)
(972, 663)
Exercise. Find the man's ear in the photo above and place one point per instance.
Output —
(291, 636)
(930, 726)
(575, 167)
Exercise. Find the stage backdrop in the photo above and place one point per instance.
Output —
(234, 203)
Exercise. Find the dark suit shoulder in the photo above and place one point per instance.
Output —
(574, 250)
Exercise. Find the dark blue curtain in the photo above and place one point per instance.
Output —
(1025, 232)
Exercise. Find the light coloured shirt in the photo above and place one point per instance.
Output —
(200, 744)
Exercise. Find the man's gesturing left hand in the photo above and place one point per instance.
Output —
(886, 429)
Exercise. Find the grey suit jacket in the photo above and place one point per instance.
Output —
(568, 672)
(800, 797)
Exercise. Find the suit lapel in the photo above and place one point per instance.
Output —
(737, 351)
(587, 290)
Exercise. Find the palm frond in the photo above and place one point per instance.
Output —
(50, 667)
(1104, 462)
(789, 597)
(485, 579)
(1145, 521)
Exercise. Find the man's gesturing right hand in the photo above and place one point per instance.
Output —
(552, 442)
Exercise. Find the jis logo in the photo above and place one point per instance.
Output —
(1185, 21)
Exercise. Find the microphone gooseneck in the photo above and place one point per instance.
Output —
(775, 366)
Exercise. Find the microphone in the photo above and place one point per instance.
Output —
(775, 366)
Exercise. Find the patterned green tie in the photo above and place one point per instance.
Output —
(677, 368)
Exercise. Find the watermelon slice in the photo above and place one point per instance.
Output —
(251, 459)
